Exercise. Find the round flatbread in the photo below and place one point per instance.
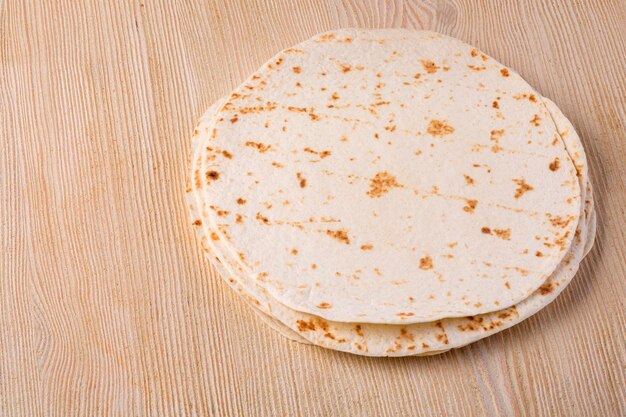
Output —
(393, 340)
(390, 176)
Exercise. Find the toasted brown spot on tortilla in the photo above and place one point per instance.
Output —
(259, 146)
(496, 135)
(474, 52)
(426, 263)
(297, 70)
(538, 254)
(321, 154)
(535, 120)
(324, 305)
(495, 105)
(429, 66)
(503, 233)
(262, 218)
(214, 236)
(334, 97)
(404, 334)
(531, 97)
(241, 201)
(469, 180)
(294, 251)
(381, 184)
(522, 187)
(554, 165)
(425, 345)
(470, 206)
(234, 119)
(238, 218)
(504, 72)
(358, 330)
(313, 266)
(439, 128)
(277, 164)
(560, 241)
(477, 68)
(212, 175)
(305, 325)
(322, 324)
(222, 213)
(558, 221)
(301, 179)
(506, 284)
(486, 230)
(546, 288)
(197, 222)
(345, 68)
(227, 154)
(509, 312)
(367, 246)
(312, 115)
(340, 235)
(442, 337)
(404, 315)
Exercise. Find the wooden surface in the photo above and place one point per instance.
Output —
(106, 304)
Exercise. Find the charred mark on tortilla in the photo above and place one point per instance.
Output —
(555, 165)
(426, 263)
(470, 206)
(212, 175)
(535, 120)
(429, 66)
(339, 235)
(439, 128)
(259, 146)
(301, 179)
(381, 184)
(522, 187)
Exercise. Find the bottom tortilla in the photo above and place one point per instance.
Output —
(402, 340)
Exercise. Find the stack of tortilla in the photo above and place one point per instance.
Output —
(390, 193)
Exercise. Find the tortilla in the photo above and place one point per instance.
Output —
(390, 340)
(390, 176)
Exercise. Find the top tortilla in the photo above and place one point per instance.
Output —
(390, 176)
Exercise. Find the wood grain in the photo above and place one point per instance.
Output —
(106, 304)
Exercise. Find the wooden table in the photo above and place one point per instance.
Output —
(107, 306)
